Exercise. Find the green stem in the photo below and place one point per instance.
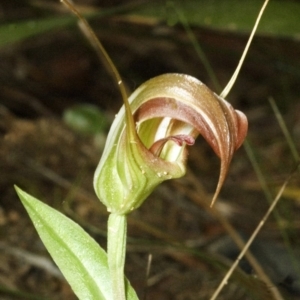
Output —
(116, 250)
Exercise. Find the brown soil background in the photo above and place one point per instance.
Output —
(44, 75)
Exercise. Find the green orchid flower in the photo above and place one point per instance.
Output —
(147, 142)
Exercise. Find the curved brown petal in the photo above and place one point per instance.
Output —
(190, 101)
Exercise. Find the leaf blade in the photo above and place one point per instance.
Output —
(82, 261)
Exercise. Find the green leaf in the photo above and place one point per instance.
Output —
(81, 260)
(18, 31)
(86, 118)
(14, 32)
(280, 19)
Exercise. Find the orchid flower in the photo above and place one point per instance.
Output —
(147, 142)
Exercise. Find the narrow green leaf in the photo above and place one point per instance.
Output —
(82, 261)
(281, 18)
(13, 32)
(18, 31)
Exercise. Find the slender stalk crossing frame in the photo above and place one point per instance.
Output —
(117, 224)
(232, 80)
(275, 293)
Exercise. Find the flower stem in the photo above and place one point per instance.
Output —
(116, 250)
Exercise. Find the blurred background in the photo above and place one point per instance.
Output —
(57, 101)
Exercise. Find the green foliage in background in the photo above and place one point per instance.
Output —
(281, 18)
